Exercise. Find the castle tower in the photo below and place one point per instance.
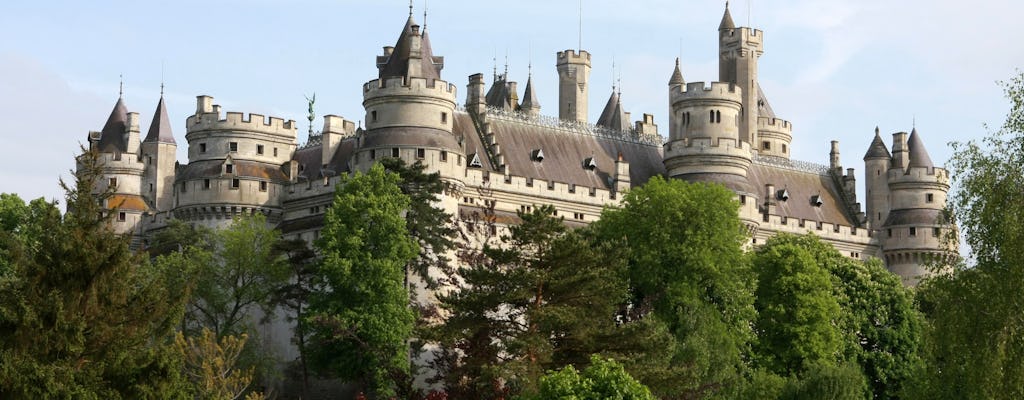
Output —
(573, 76)
(876, 174)
(159, 154)
(706, 144)
(410, 111)
(915, 233)
(117, 147)
(739, 49)
(235, 166)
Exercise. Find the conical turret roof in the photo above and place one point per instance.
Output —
(529, 96)
(677, 76)
(726, 20)
(877, 148)
(398, 63)
(918, 155)
(613, 116)
(112, 136)
(160, 128)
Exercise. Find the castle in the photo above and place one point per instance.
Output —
(497, 151)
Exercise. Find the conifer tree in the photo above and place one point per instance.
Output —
(83, 317)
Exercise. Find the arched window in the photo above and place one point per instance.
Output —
(712, 116)
(718, 116)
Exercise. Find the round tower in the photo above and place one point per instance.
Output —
(159, 154)
(235, 166)
(117, 149)
(915, 234)
(410, 110)
(706, 146)
(774, 137)
(876, 174)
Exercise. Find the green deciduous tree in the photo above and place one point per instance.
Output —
(359, 318)
(603, 379)
(974, 341)
(797, 314)
(83, 317)
(211, 365)
(686, 264)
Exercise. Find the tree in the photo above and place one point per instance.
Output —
(603, 379)
(294, 297)
(973, 345)
(359, 318)
(796, 311)
(687, 267)
(544, 298)
(83, 317)
(210, 363)
(19, 222)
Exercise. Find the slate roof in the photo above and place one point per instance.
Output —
(677, 75)
(726, 20)
(877, 148)
(529, 96)
(242, 169)
(918, 154)
(802, 184)
(613, 116)
(160, 128)
(565, 151)
(313, 165)
(112, 137)
(397, 65)
(915, 216)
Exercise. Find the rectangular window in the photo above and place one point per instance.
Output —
(113, 182)
(275, 152)
(151, 188)
(373, 155)
(890, 233)
(743, 199)
(259, 149)
(263, 186)
(766, 145)
(444, 118)
(936, 232)
(202, 147)
(373, 116)
(206, 184)
(394, 152)
(121, 216)
(234, 183)
(230, 169)
(444, 156)
(421, 153)
(184, 188)
(783, 148)
(913, 231)
(929, 197)
(233, 146)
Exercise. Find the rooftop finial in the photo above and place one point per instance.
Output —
(410, 8)
(495, 61)
(161, 79)
(580, 48)
(120, 90)
(506, 63)
(613, 73)
(424, 15)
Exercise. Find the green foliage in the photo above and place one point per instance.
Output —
(80, 315)
(428, 224)
(360, 318)
(19, 223)
(603, 379)
(828, 381)
(974, 342)
(547, 297)
(686, 262)
(796, 320)
(211, 365)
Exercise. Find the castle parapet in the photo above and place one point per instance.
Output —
(237, 121)
(573, 57)
(724, 91)
(409, 86)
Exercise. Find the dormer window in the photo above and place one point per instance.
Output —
(782, 195)
(817, 201)
(590, 164)
(537, 155)
(229, 169)
(474, 161)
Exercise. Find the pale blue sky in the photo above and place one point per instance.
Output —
(835, 68)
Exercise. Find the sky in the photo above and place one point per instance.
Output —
(835, 68)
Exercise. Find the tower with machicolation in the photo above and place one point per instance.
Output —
(238, 164)
(573, 91)
(739, 50)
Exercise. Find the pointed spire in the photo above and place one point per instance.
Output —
(877, 148)
(530, 104)
(613, 116)
(726, 20)
(397, 63)
(677, 76)
(918, 154)
(112, 136)
(160, 128)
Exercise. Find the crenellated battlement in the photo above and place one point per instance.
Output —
(700, 90)
(573, 57)
(704, 144)
(774, 124)
(745, 37)
(409, 86)
(209, 118)
(919, 175)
